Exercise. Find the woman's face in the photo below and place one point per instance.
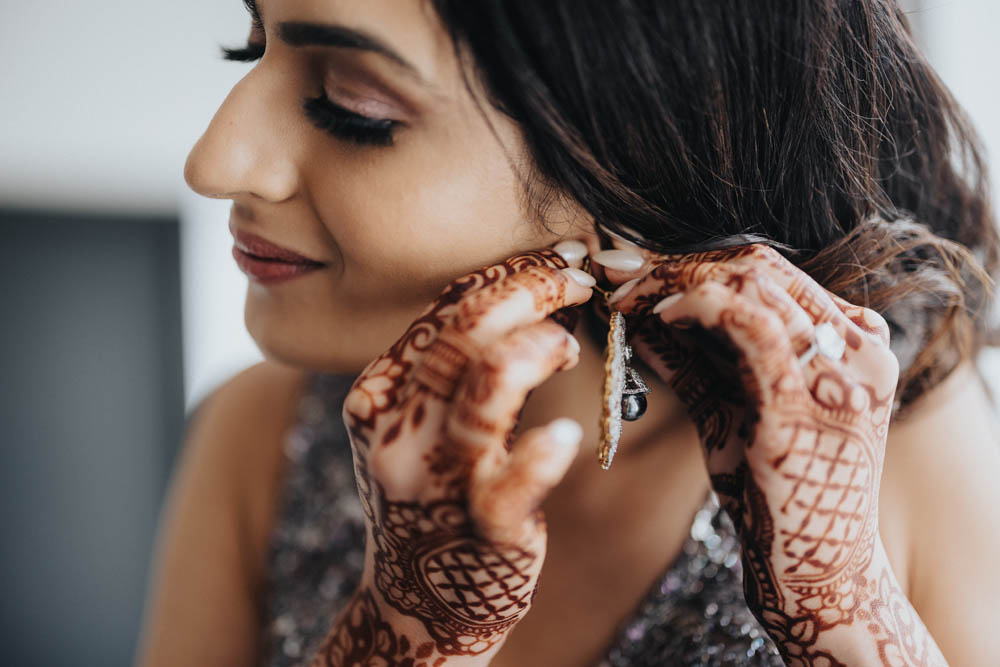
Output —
(392, 224)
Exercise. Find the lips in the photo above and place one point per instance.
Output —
(268, 263)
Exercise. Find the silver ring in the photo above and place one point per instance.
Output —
(825, 341)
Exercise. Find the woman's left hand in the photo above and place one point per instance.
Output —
(794, 450)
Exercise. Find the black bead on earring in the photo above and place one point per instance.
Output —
(634, 392)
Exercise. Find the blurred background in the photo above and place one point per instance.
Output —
(121, 306)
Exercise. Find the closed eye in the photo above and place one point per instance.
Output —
(244, 54)
(324, 113)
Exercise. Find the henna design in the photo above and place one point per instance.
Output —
(467, 593)
(364, 638)
(426, 556)
(796, 465)
(710, 401)
(902, 638)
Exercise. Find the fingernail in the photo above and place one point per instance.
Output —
(621, 238)
(571, 251)
(622, 290)
(566, 431)
(619, 260)
(581, 277)
(666, 303)
(574, 344)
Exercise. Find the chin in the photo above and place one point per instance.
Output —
(313, 353)
(320, 342)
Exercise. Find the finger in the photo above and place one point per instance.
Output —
(758, 286)
(674, 279)
(395, 363)
(753, 272)
(672, 274)
(572, 251)
(867, 357)
(503, 502)
(488, 311)
(621, 264)
(872, 363)
(625, 260)
(816, 300)
(664, 278)
(494, 387)
(756, 331)
(866, 319)
(653, 259)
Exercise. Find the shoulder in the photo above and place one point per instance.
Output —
(237, 433)
(939, 509)
(212, 539)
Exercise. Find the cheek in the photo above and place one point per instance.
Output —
(406, 226)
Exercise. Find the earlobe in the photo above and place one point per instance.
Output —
(593, 242)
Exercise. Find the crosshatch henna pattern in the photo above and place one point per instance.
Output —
(429, 420)
(363, 637)
(467, 593)
(795, 453)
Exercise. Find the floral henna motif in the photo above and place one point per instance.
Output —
(378, 386)
(377, 389)
(427, 558)
(466, 592)
(796, 462)
(902, 638)
(365, 638)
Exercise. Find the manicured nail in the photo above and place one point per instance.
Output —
(565, 431)
(571, 251)
(621, 238)
(574, 344)
(619, 260)
(666, 303)
(622, 290)
(581, 277)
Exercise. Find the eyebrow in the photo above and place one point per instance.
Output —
(298, 34)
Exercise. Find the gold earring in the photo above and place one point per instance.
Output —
(624, 392)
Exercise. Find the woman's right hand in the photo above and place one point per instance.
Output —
(455, 537)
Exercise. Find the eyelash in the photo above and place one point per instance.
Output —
(327, 116)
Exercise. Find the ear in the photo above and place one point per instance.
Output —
(593, 238)
(582, 230)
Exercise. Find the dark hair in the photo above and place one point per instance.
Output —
(815, 126)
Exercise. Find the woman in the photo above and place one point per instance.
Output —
(743, 176)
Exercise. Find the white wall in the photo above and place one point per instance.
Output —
(99, 110)
(105, 98)
(101, 100)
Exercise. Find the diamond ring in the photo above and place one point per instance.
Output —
(826, 341)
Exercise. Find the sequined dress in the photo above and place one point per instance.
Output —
(693, 614)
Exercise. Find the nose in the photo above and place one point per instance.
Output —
(244, 150)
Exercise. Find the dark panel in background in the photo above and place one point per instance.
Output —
(91, 412)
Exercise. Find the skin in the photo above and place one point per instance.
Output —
(394, 222)
(795, 451)
(399, 227)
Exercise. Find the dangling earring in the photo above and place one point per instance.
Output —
(624, 393)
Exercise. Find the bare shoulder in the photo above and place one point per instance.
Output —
(212, 539)
(242, 426)
(939, 512)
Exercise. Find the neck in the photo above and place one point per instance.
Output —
(662, 439)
